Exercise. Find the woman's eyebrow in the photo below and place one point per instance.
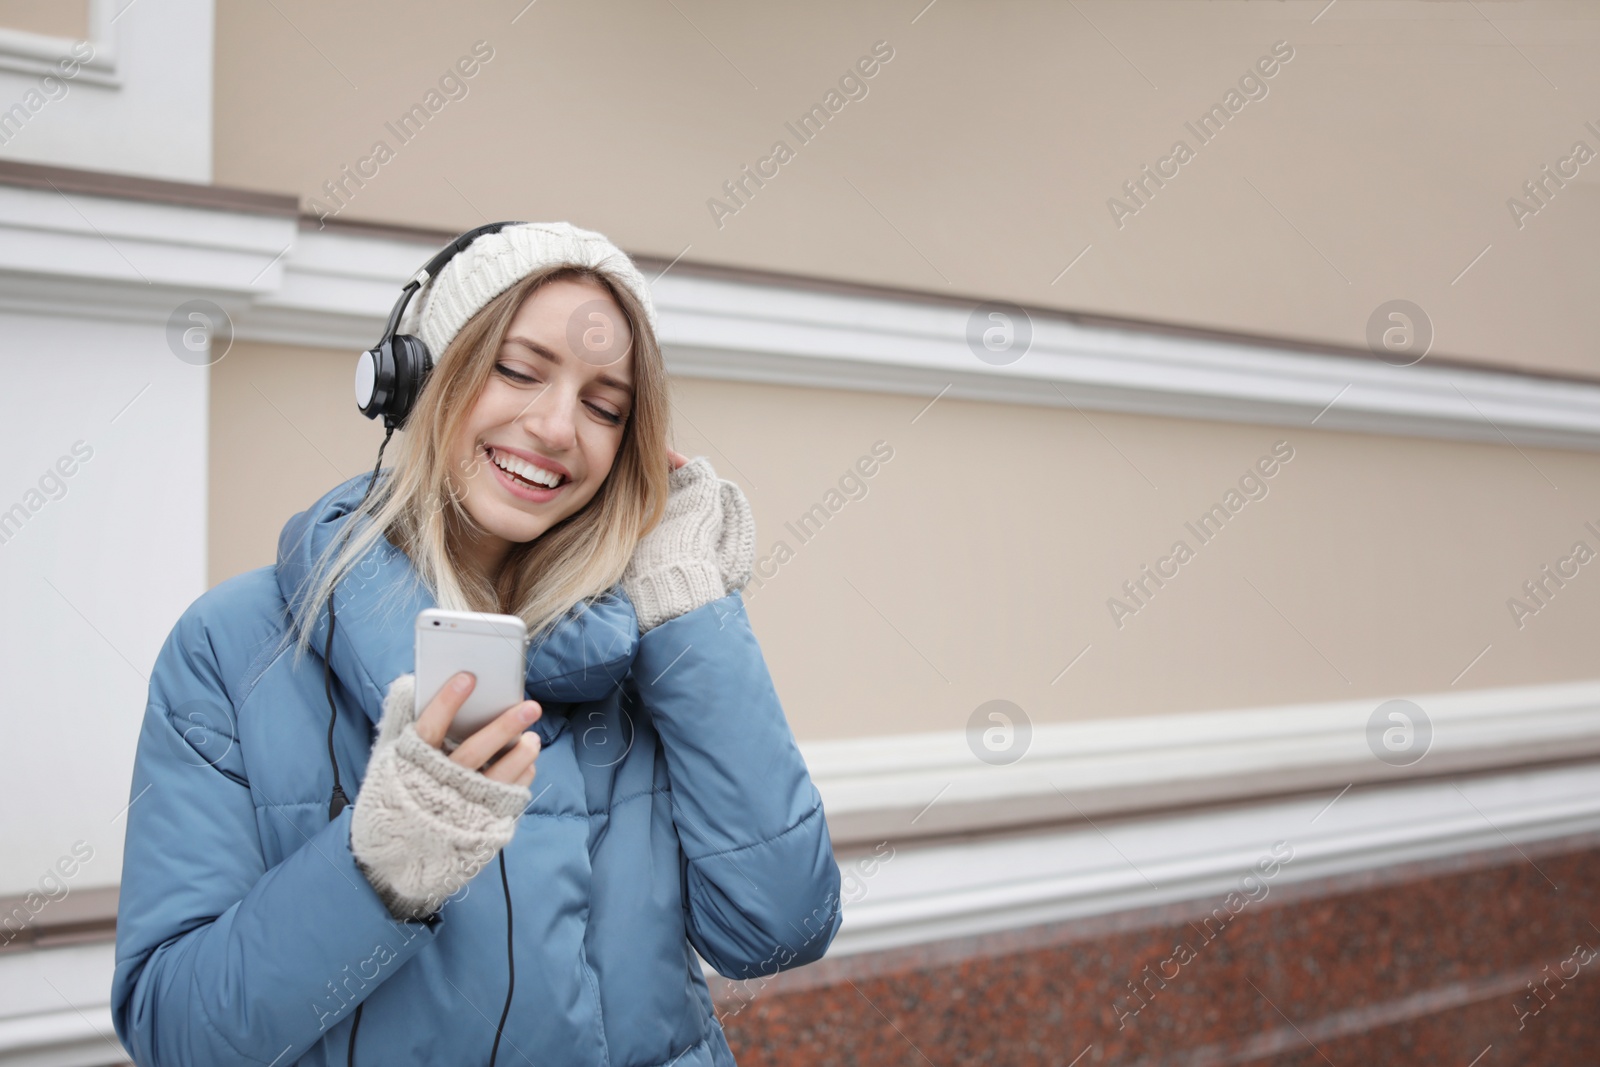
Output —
(546, 353)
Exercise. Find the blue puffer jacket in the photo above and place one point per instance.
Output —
(671, 808)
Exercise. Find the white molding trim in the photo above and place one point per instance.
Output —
(55, 1007)
(750, 332)
(336, 292)
(906, 786)
(339, 287)
(83, 256)
(70, 1037)
(35, 53)
(925, 894)
(301, 286)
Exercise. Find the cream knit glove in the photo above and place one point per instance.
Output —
(702, 549)
(424, 825)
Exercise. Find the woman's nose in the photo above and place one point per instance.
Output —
(552, 420)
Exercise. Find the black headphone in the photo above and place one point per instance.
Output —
(390, 375)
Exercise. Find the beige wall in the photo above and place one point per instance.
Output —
(1378, 165)
(981, 557)
(284, 430)
(53, 18)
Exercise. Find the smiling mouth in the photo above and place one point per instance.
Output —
(524, 473)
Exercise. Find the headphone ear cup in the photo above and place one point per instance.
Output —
(375, 380)
(391, 374)
(412, 362)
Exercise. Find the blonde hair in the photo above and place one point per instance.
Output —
(417, 503)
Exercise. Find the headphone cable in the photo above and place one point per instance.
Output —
(350, 1057)
(511, 962)
(338, 801)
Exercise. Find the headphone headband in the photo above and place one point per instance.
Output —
(446, 254)
(390, 375)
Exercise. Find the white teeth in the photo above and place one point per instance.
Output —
(523, 468)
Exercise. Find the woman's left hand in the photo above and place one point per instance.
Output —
(702, 549)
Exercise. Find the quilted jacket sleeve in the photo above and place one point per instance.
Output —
(221, 958)
(763, 887)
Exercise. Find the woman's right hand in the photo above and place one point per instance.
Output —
(425, 823)
(508, 731)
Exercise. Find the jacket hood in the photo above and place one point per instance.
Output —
(582, 658)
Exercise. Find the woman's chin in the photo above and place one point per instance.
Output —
(518, 533)
(506, 521)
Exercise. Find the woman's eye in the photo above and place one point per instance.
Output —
(517, 377)
(512, 374)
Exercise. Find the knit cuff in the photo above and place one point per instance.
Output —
(499, 800)
(423, 825)
(696, 471)
(736, 554)
(674, 589)
(397, 904)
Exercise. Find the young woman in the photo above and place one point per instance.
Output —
(672, 809)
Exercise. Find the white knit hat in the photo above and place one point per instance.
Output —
(495, 262)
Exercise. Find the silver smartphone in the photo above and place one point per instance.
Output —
(490, 647)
